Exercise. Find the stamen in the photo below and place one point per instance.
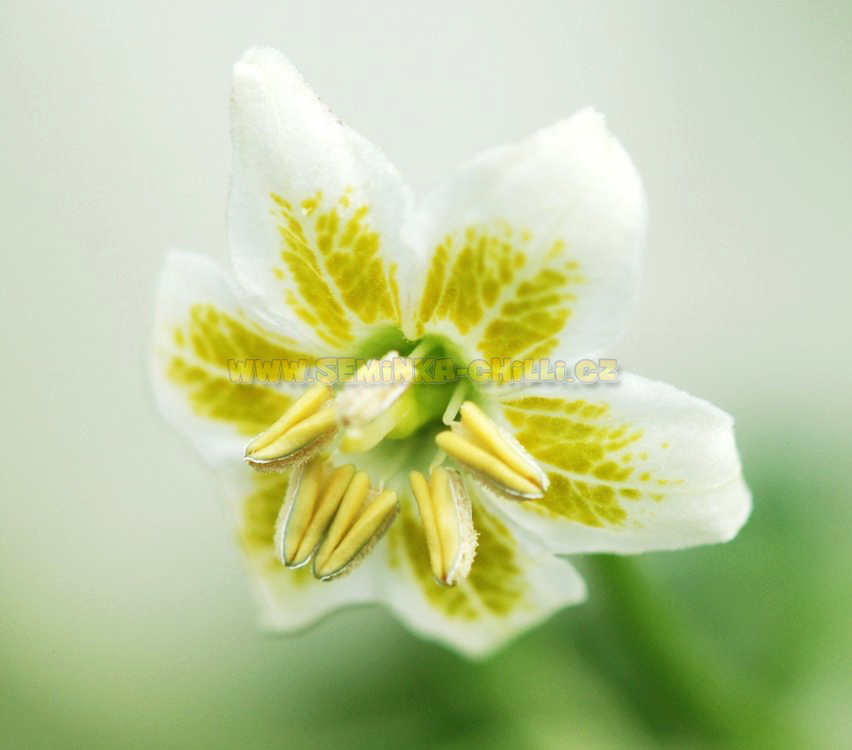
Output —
(371, 394)
(329, 502)
(366, 406)
(362, 438)
(300, 433)
(492, 437)
(497, 458)
(362, 517)
(337, 504)
(313, 496)
(445, 511)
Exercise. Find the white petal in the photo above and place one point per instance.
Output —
(514, 584)
(535, 247)
(286, 599)
(199, 325)
(315, 209)
(634, 465)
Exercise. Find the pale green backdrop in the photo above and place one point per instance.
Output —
(124, 618)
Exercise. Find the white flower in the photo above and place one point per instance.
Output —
(531, 250)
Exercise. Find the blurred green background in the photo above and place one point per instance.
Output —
(124, 618)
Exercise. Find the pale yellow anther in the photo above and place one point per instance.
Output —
(423, 498)
(299, 433)
(362, 516)
(366, 406)
(296, 513)
(479, 445)
(488, 435)
(313, 496)
(298, 436)
(359, 538)
(446, 515)
(350, 507)
(362, 438)
(331, 517)
(484, 464)
(377, 385)
(329, 501)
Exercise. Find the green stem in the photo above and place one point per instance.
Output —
(677, 683)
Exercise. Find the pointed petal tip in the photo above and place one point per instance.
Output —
(262, 56)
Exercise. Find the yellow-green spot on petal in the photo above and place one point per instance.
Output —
(434, 282)
(469, 270)
(199, 367)
(245, 406)
(584, 502)
(256, 527)
(476, 280)
(332, 257)
(569, 442)
(581, 447)
(496, 584)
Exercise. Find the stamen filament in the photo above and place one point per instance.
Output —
(456, 400)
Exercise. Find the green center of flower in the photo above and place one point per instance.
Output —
(401, 414)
